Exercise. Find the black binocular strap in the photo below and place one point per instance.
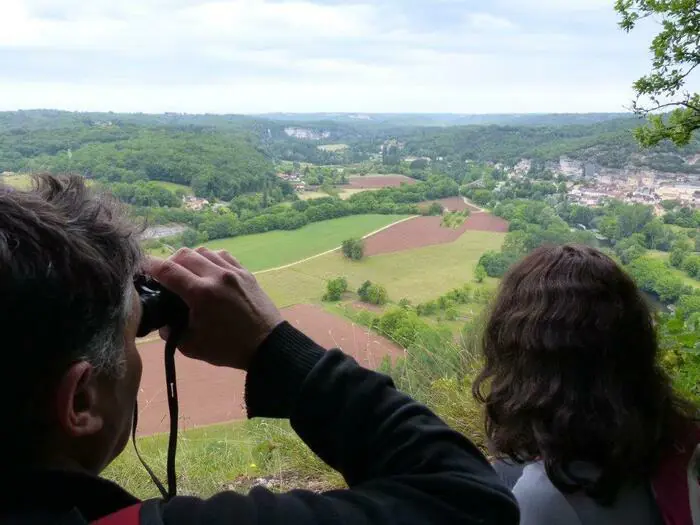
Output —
(173, 410)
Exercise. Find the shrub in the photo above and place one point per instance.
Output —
(373, 293)
(404, 303)
(354, 249)
(335, 288)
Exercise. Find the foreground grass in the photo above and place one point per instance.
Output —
(277, 248)
(211, 459)
(418, 275)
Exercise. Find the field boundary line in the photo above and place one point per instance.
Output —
(375, 232)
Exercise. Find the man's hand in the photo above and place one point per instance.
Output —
(230, 315)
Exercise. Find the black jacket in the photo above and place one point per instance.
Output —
(401, 462)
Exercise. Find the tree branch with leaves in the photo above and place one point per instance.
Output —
(675, 56)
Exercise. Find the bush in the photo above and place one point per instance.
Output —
(335, 288)
(480, 274)
(354, 249)
(373, 293)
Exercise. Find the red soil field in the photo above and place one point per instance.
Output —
(209, 394)
(427, 231)
(452, 204)
(379, 181)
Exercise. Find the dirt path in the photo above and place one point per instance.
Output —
(473, 207)
(333, 249)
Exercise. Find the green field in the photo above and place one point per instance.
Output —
(418, 275)
(277, 248)
(172, 186)
(333, 147)
(21, 181)
(687, 279)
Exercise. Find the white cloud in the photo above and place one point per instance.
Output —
(486, 21)
(264, 55)
(559, 6)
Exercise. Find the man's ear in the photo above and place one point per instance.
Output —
(77, 401)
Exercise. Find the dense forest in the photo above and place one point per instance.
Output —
(226, 156)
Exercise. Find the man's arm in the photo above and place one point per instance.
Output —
(401, 462)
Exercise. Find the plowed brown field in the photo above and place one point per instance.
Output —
(427, 231)
(209, 394)
(378, 181)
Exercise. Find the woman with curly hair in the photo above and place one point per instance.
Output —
(575, 400)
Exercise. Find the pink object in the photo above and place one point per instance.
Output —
(676, 484)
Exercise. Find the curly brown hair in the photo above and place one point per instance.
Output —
(571, 372)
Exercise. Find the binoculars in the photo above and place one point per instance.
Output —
(159, 306)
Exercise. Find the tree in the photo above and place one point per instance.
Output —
(335, 288)
(658, 236)
(631, 248)
(496, 264)
(354, 249)
(191, 238)
(480, 274)
(691, 265)
(435, 209)
(679, 252)
(676, 53)
(581, 215)
(419, 164)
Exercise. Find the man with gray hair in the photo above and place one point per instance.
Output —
(69, 314)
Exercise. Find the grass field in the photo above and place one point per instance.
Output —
(310, 195)
(21, 181)
(687, 279)
(172, 186)
(273, 249)
(210, 458)
(418, 275)
(333, 147)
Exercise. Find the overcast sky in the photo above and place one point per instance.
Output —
(252, 56)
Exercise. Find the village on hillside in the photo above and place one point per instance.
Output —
(590, 185)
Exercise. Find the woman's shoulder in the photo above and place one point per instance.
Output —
(540, 501)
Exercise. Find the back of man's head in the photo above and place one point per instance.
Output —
(67, 259)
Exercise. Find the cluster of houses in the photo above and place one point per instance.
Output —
(294, 178)
(644, 188)
(590, 184)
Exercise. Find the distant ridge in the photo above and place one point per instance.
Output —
(448, 119)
